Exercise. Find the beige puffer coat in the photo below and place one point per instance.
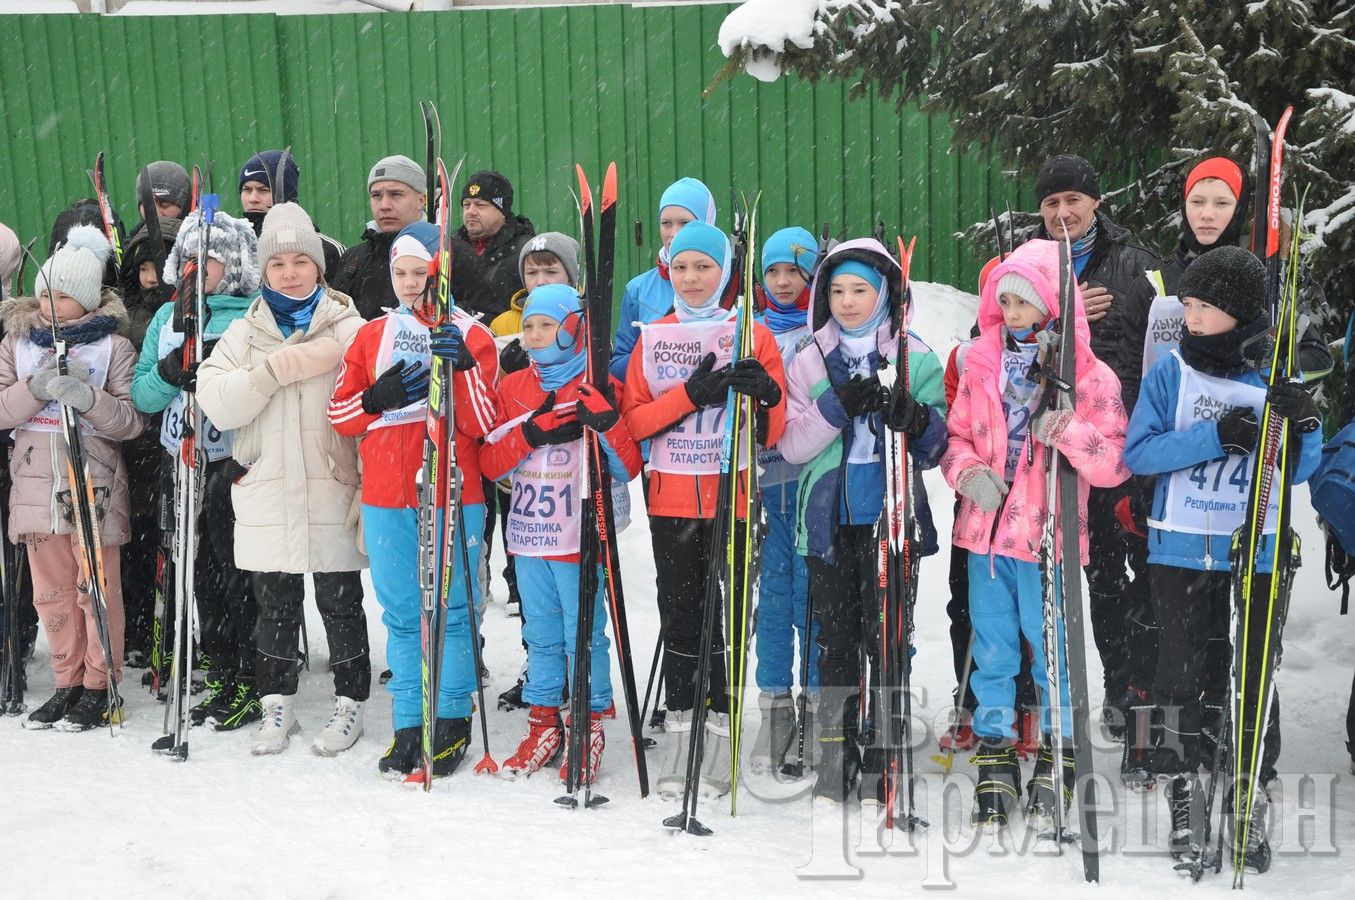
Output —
(39, 501)
(296, 510)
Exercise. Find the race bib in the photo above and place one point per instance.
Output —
(672, 351)
(217, 444)
(403, 339)
(93, 358)
(544, 510)
(1166, 318)
(1211, 497)
(1020, 398)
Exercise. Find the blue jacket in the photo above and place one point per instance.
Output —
(1153, 446)
(648, 298)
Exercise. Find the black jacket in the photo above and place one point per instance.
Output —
(499, 263)
(363, 273)
(1315, 361)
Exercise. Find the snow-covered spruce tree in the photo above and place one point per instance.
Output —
(1142, 88)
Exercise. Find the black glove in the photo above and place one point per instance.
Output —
(1239, 430)
(514, 357)
(748, 377)
(907, 415)
(1290, 400)
(550, 430)
(171, 370)
(597, 409)
(860, 395)
(398, 386)
(447, 342)
(706, 385)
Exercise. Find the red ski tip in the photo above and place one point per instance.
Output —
(585, 192)
(609, 187)
(487, 765)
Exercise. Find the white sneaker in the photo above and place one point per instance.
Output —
(343, 729)
(279, 723)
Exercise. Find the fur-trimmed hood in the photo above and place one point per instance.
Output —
(20, 314)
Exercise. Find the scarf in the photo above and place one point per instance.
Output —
(1223, 355)
(708, 313)
(95, 328)
(292, 313)
(876, 319)
(781, 319)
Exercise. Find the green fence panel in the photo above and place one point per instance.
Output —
(525, 91)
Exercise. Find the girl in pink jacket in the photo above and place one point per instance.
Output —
(1001, 479)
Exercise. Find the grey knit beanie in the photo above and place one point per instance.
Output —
(77, 267)
(564, 247)
(1021, 286)
(288, 229)
(401, 169)
(169, 181)
(232, 243)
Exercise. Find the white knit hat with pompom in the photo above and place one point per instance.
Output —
(77, 267)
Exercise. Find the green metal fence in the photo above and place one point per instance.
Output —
(526, 91)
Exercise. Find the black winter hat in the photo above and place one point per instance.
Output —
(1227, 277)
(492, 186)
(1066, 172)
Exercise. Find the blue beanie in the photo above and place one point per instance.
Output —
(263, 168)
(861, 270)
(425, 233)
(794, 245)
(554, 301)
(703, 238)
(692, 196)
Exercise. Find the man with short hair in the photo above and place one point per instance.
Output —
(496, 235)
(396, 190)
(256, 195)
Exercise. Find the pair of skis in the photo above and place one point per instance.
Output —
(440, 483)
(600, 554)
(190, 312)
(897, 544)
(731, 579)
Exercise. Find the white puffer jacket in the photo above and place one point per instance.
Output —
(296, 509)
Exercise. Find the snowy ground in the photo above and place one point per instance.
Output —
(87, 813)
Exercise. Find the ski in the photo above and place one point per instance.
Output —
(189, 319)
(1071, 609)
(1257, 606)
(96, 177)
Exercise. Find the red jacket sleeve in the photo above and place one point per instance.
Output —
(472, 391)
(646, 415)
(503, 454)
(767, 353)
(355, 376)
(619, 439)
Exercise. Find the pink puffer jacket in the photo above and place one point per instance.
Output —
(1093, 440)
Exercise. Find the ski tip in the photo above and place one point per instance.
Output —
(609, 187)
(487, 765)
(585, 193)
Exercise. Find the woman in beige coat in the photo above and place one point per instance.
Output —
(98, 387)
(269, 379)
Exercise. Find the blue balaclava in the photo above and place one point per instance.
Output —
(560, 362)
(875, 279)
(796, 246)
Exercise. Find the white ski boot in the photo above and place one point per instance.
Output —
(279, 723)
(343, 729)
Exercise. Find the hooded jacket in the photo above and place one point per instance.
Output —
(364, 274)
(1092, 440)
(831, 489)
(498, 264)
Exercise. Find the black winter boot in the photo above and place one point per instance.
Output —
(54, 709)
(402, 757)
(998, 791)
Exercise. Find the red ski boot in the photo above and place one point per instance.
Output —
(596, 740)
(542, 745)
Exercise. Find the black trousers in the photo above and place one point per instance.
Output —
(497, 504)
(227, 608)
(683, 551)
(339, 598)
(138, 580)
(1122, 619)
(1194, 660)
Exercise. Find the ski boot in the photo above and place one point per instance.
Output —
(839, 766)
(90, 711)
(511, 699)
(222, 691)
(1256, 851)
(775, 735)
(242, 707)
(716, 756)
(1143, 732)
(342, 730)
(1042, 795)
(402, 757)
(594, 744)
(998, 791)
(672, 778)
(55, 709)
(542, 745)
(277, 725)
(451, 740)
(1181, 843)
